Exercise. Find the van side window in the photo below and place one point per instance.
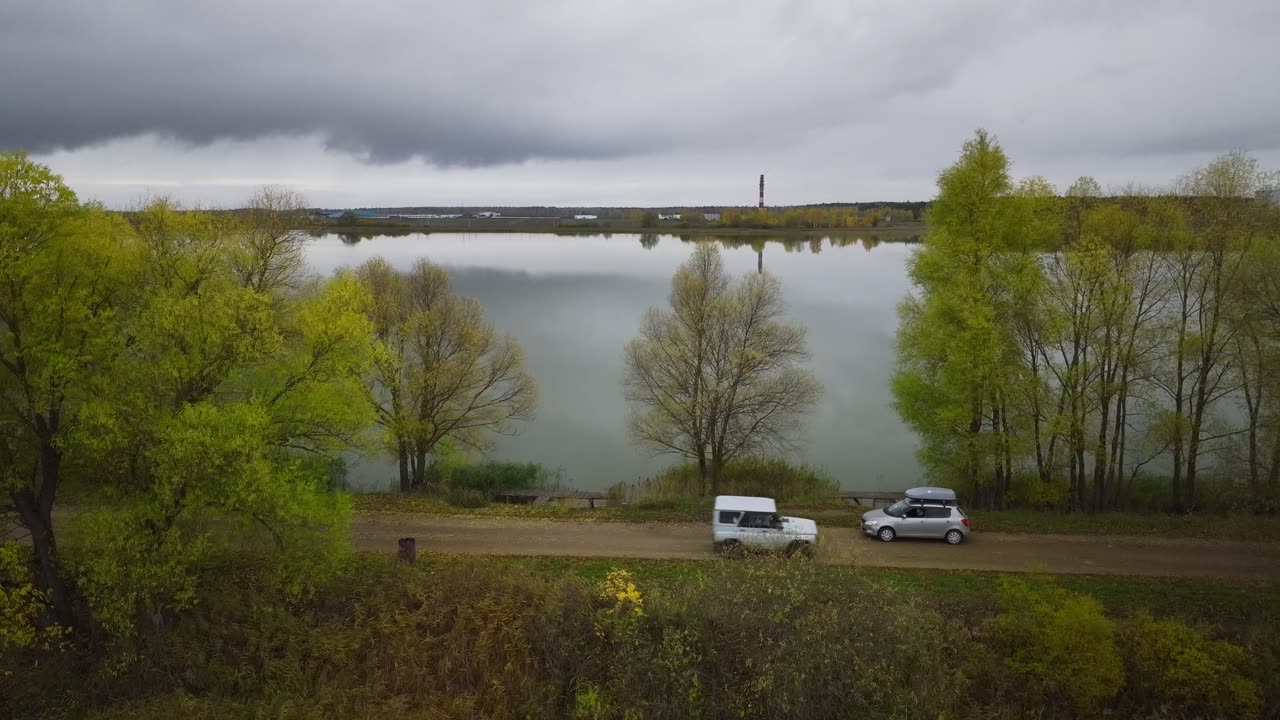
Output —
(729, 517)
(937, 512)
(755, 520)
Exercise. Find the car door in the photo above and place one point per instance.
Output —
(911, 524)
(773, 536)
(936, 521)
(751, 528)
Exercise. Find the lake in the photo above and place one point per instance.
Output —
(574, 301)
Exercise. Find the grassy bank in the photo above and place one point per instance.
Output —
(836, 513)
(460, 637)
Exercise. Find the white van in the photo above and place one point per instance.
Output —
(753, 523)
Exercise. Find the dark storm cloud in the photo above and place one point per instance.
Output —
(485, 82)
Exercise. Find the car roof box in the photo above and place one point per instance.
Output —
(932, 493)
(746, 503)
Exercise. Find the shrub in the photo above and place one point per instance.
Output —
(770, 477)
(491, 479)
(1028, 491)
(1058, 645)
(465, 497)
(22, 603)
(1172, 663)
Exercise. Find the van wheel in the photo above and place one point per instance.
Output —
(801, 548)
(886, 534)
(955, 537)
(729, 548)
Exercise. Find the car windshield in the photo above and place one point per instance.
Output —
(897, 509)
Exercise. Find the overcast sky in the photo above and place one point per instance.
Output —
(624, 102)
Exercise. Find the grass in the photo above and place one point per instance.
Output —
(1232, 605)
(835, 513)
(460, 636)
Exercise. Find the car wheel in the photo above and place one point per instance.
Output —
(730, 548)
(886, 534)
(801, 548)
(955, 537)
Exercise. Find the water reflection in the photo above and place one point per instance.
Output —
(574, 300)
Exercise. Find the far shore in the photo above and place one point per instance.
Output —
(539, 225)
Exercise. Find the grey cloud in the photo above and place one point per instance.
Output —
(460, 83)
(486, 82)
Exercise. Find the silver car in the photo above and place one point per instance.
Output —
(918, 518)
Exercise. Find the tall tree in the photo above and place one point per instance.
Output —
(1207, 266)
(441, 370)
(64, 277)
(229, 406)
(959, 359)
(138, 366)
(717, 376)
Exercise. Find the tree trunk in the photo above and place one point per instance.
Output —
(1042, 469)
(1008, 453)
(703, 474)
(1118, 442)
(36, 516)
(1273, 472)
(419, 465)
(402, 453)
(975, 430)
(1100, 455)
(716, 467)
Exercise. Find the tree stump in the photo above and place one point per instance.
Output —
(408, 549)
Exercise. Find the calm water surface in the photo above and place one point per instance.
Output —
(574, 301)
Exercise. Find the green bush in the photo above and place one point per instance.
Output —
(482, 637)
(1058, 645)
(491, 479)
(1171, 663)
(465, 497)
(1028, 491)
(769, 477)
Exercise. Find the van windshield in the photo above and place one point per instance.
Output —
(897, 509)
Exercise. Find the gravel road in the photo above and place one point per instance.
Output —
(1103, 554)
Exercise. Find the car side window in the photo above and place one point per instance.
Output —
(729, 517)
(755, 520)
(937, 512)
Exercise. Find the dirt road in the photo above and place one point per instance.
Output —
(1104, 555)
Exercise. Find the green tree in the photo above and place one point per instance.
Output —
(959, 359)
(227, 410)
(717, 376)
(441, 371)
(1206, 266)
(692, 216)
(65, 274)
(174, 386)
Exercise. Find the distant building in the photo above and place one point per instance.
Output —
(670, 216)
(586, 217)
(488, 214)
(335, 215)
(1272, 196)
(711, 217)
(427, 217)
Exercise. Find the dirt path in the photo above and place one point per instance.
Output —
(1105, 555)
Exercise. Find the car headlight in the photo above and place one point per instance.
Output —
(871, 522)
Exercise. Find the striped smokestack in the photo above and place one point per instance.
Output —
(762, 192)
